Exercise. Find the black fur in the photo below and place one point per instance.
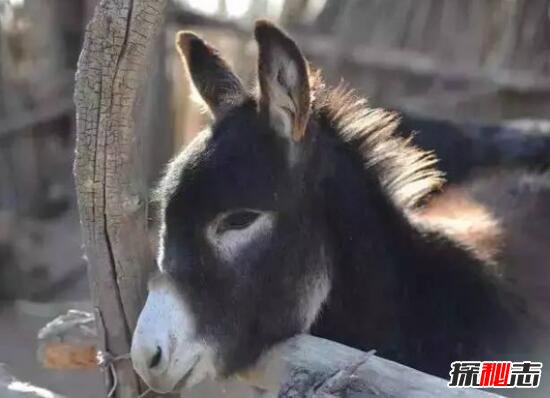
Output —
(409, 292)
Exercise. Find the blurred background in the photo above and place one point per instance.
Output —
(471, 77)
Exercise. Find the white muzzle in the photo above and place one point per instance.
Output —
(165, 349)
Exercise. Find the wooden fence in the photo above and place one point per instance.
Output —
(113, 207)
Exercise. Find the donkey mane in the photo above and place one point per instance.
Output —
(303, 209)
(407, 173)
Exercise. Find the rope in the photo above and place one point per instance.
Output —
(106, 360)
(145, 393)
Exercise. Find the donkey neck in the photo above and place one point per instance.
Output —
(385, 269)
(366, 234)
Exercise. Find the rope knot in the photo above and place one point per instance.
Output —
(105, 360)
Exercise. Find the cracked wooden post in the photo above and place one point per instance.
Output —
(110, 182)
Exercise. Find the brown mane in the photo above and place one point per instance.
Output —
(406, 172)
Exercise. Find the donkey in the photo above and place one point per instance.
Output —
(298, 212)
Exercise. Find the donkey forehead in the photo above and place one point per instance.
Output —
(235, 164)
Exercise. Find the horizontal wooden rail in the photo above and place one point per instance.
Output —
(308, 366)
(303, 366)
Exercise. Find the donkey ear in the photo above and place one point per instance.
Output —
(216, 83)
(284, 81)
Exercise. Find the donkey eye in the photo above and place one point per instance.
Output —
(236, 220)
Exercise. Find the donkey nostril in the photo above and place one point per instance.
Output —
(155, 360)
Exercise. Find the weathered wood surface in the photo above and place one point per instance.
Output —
(11, 387)
(110, 182)
(307, 366)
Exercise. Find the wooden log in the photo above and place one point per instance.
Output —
(25, 120)
(111, 185)
(303, 366)
(308, 366)
(416, 63)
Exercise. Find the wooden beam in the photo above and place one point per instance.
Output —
(111, 187)
(308, 366)
(305, 366)
(416, 63)
(24, 121)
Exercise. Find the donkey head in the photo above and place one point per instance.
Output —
(241, 254)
